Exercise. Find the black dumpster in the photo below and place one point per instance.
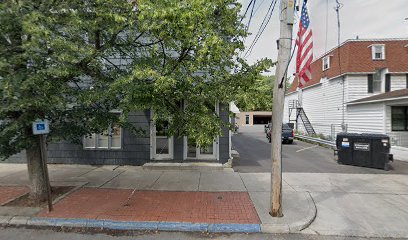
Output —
(365, 150)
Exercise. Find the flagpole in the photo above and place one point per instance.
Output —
(284, 46)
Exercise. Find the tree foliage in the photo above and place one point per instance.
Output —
(257, 96)
(73, 62)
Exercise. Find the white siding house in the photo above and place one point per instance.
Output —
(358, 93)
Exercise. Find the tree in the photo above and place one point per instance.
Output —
(257, 96)
(73, 62)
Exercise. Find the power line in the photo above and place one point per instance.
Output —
(250, 17)
(337, 9)
(327, 25)
(256, 10)
(242, 18)
(262, 27)
(249, 5)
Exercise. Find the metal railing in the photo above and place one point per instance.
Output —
(328, 143)
(294, 104)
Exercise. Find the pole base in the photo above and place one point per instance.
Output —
(276, 214)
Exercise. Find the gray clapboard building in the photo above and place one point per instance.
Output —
(122, 147)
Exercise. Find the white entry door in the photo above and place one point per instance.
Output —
(161, 144)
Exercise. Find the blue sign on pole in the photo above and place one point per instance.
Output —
(41, 127)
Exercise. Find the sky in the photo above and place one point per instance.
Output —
(362, 18)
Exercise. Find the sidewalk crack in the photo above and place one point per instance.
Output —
(151, 186)
(243, 182)
(103, 184)
(94, 168)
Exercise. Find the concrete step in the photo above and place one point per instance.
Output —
(190, 166)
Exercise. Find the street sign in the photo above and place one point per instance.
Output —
(41, 127)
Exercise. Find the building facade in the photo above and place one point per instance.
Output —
(254, 118)
(123, 147)
(359, 87)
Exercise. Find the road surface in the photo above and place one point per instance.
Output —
(255, 156)
(36, 234)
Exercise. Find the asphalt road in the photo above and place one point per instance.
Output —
(255, 156)
(36, 234)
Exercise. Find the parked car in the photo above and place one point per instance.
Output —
(287, 134)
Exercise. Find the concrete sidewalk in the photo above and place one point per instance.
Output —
(299, 207)
(366, 205)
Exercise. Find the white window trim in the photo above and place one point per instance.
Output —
(96, 140)
(373, 46)
(153, 155)
(328, 62)
(214, 156)
(249, 119)
(199, 155)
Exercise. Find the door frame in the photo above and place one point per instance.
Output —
(199, 156)
(153, 154)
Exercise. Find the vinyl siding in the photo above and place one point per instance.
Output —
(322, 104)
(398, 82)
(366, 118)
(357, 87)
(315, 113)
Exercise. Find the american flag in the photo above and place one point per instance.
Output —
(304, 43)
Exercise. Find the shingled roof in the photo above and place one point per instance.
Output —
(397, 94)
(355, 57)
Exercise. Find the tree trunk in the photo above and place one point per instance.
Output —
(36, 173)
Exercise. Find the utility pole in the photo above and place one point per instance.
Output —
(284, 46)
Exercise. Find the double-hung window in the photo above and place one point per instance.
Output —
(326, 63)
(374, 82)
(399, 118)
(378, 51)
(109, 139)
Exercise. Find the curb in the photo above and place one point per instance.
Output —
(295, 227)
(311, 215)
(124, 225)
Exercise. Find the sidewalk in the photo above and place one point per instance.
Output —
(366, 205)
(207, 201)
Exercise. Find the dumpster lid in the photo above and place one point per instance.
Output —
(362, 135)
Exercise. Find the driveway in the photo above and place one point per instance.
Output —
(255, 156)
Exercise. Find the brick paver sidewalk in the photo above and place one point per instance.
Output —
(192, 207)
(8, 194)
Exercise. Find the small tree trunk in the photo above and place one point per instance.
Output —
(36, 173)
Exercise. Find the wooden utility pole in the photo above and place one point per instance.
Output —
(284, 46)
